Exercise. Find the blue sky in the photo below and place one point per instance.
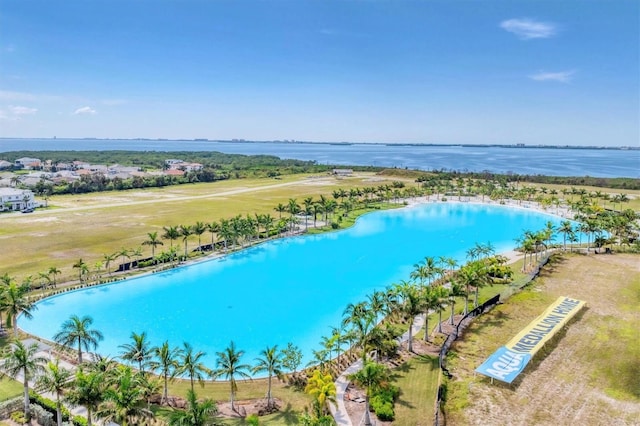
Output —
(535, 72)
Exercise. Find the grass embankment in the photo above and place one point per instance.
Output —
(588, 374)
(418, 383)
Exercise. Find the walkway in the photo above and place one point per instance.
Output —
(339, 410)
(44, 351)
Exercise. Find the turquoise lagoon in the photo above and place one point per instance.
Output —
(287, 290)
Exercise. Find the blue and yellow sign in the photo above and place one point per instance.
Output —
(508, 361)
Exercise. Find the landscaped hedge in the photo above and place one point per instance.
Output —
(382, 402)
(50, 406)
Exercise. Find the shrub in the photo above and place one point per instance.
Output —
(335, 225)
(18, 417)
(48, 405)
(383, 408)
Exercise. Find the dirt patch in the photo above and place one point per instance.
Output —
(247, 407)
(576, 379)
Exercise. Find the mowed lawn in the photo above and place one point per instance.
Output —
(588, 375)
(89, 226)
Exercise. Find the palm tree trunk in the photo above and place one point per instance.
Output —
(452, 312)
(58, 411)
(165, 395)
(367, 417)
(269, 393)
(410, 347)
(426, 326)
(26, 396)
(88, 416)
(79, 351)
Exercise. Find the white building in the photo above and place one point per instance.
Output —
(28, 163)
(16, 199)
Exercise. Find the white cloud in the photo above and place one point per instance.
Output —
(21, 110)
(528, 29)
(561, 76)
(85, 111)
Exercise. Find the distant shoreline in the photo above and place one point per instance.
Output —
(290, 142)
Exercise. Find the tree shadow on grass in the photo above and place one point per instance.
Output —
(287, 415)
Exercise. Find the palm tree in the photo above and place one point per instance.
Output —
(186, 232)
(280, 208)
(228, 365)
(21, 359)
(108, 258)
(14, 302)
(323, 390)
(197, 413)
(190, 363)
(165, 361)
(441, 297)
(411, 306)
(77, 330)
(153, 241)
(198, 229)
(361, 319)
(124, 399)
(372, 376)
(429, 301)
(171, 233)
(81, 266)
(455, 290)
(565, 229)
(270, 360)
(214, 229)
(137, 351)
(87, 390)
(55, 379)
(53, 271)
(125, 255)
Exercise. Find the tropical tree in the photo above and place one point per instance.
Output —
(323, 390)
(137, 351)
(455, 290)
(270, 361)
(565, 229)
(361, 320)
(165, 362)
(198, 229)
(53, 271)
(280, 208)
(87, 390)
(291, 357)
(171, 233)
(185, 232)
(54, 379)
(125, 254)
(124, 400)
(15, 301)
(154, 242)
(429, 301)
(191, 364)
(82, 268)
(107, 259)
(372, 377)
(441, 298)
(197, 413)
(21, 359)
(411, 305)
(228, 365)
(77, 331)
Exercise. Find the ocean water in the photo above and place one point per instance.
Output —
(533, 161)
(287, 290)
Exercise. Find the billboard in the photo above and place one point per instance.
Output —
(510, 360)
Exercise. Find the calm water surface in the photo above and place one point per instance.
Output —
(288, 290)
(534, 161)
